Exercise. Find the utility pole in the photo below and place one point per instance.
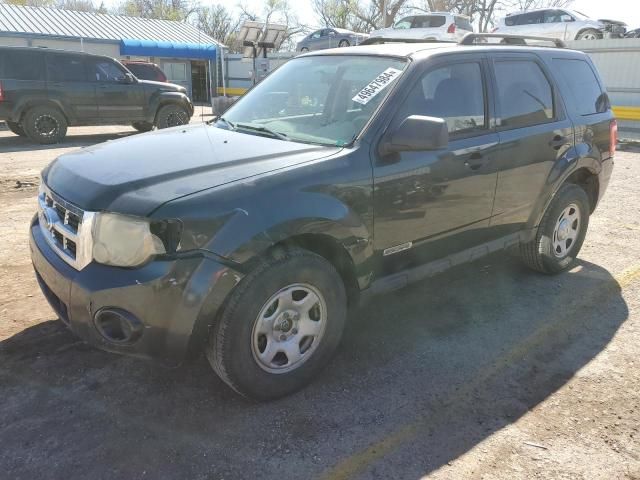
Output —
(384, 13)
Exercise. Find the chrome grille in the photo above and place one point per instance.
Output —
(66, 228)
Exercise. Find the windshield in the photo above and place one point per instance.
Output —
(325, 100)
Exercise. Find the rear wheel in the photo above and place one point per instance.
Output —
(304, 50)
(16, 128)
(142, 126)
(344, 43)
(45, 125)
(561, 232)
(171, 116)
(589, 34)
(280, 326)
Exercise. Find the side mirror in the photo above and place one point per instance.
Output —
(332, 34)
(417, 133)
(128, 78)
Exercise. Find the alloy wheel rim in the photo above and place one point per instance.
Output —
(289, 328)
(176, 118)
(46, 126)
(566, 231)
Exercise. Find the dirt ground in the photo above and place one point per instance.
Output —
(489, 371)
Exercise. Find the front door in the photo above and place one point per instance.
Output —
(534, 133)
(117, 100)
(432, 203)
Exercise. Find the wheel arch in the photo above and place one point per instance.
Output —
(33, 103)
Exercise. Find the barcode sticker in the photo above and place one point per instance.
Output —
(381, 82)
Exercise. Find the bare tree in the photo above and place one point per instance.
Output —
(219, 23)
(379, 13)
(532, 4)
(161, 9)
(338, 14)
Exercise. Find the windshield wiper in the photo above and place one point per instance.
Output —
(222, 119)
(262, 129)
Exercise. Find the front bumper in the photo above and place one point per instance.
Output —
(175, 300)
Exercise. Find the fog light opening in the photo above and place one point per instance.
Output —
(118, 326)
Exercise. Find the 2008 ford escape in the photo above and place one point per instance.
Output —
(345, 173)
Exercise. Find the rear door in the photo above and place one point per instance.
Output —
(68, 84)
(117, 100)
(535, 133)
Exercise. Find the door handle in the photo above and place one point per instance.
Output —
(476, 160)
(558, 142)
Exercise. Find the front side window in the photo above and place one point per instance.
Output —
(455, 93)
(316, 34)
(428, 21)
(525, 96)
(585, 94)
(325, 100)
(553, 16)
(404, 23)
(106, 71)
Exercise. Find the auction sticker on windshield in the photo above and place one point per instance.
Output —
(381, 82)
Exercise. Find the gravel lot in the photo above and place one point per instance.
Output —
(489, 371)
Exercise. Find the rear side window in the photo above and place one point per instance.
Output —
(530, 18)
(463, 24)
(23, 65)
(581, 84)
(66, 68)
(428, 21)
(511, 21)
(455, 93)
(524, 93)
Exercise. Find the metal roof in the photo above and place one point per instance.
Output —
(98, 26)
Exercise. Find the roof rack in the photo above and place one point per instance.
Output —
(382, 40)
(476, 38)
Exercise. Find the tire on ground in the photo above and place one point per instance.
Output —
(229, 348)
(171, 115)
(16, 128)
(142, 126)
(45, 125)
(589, 34)
(539, 254)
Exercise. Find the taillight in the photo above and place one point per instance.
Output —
(613, 136)
(452, 28)
(1, 93)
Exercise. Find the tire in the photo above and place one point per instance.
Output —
(142, 126)
(45, 125)
(555, 248)
(589, 34)
(344, 43)
(171, 116)
(16, 128)
(304, 50)
(253, 362)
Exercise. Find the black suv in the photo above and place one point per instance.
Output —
(43, 91)
(345, 173)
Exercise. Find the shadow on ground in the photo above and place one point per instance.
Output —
(15, 143)
(421, 377)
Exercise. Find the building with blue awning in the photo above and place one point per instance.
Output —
(187, 55)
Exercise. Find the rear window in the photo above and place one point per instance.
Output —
(582, 85)
(66, 68)
(428, 21)
(463, 24)
(524, 94)
(23, 65)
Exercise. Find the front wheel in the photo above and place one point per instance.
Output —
(344, 43)
(16, 128)
(280, 326)
(171, 116)
(589, 34)
(561, 232)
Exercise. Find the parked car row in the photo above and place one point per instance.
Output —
(43, 91)
(444, 26)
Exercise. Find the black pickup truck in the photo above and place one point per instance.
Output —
(345, 173)
(43, 91)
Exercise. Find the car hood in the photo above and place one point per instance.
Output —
(138, 174)
(165, 86)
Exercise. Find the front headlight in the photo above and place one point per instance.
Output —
(124, 241)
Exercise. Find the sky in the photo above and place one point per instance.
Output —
(626, 10)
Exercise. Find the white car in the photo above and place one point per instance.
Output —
(434, 26)
(559, 23)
